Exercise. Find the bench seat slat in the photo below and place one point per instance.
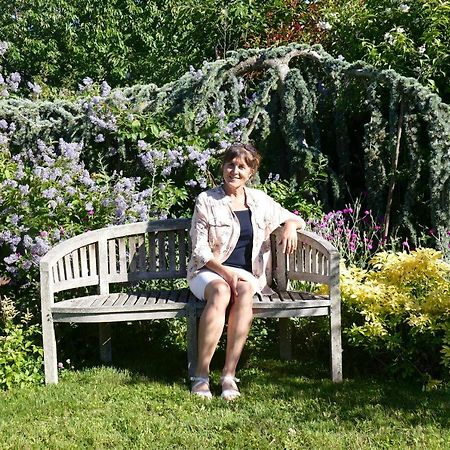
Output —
(179, 299)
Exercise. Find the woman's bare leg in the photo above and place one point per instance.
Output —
(239, 322)
(212, 321)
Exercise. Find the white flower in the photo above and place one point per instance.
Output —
(389, 38)
(324, 25)
(404, 8)
(422, 49)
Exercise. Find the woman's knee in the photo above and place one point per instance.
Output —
(218, 293)
(245, 291)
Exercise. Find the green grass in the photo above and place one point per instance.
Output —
(279, 409)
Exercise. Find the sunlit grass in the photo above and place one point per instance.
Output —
(117, 408)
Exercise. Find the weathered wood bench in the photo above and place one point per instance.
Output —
(110, 262)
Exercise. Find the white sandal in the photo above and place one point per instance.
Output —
(196, 382)
(233, 392)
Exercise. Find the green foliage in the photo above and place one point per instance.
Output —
(401, 310)
(21, 359)
(302, 197)
(124, 42)
(411, 37)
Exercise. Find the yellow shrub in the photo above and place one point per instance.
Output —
(403, 300)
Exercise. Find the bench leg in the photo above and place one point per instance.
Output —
(192, 343)
(336, 346)
(285, 339)
(50, 354)
(105, 342)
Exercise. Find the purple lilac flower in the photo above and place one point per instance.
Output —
(49, 193)
(40, 247)
(20, 173)
(105, 89)
(12, 258)
(24, 189)
(14, 241)
(15, 219)
(142, 145)
(86, 178)
(48, 160)
(250, 100)
(3, 47)
(101, 123)
(87, 82)
(70, 150)
(4, 93)
(11, 183)
(3, 124)
(41, 173)
(34, 87)
(15, 77)
(5, 236)
(26, 265)
(3, 139)
(27, 241)
(99, 138)
(197, 75)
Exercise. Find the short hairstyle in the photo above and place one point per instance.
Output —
(245, 151)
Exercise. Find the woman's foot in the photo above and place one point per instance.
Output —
(200, 387)
(230, 390)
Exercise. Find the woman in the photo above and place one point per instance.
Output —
(230, 235)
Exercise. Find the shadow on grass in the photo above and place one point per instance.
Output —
(151, 357)
(354, 399)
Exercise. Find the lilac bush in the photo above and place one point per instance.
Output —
(47, 195)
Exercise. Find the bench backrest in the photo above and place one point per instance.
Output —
(160, 250)
(123, 253)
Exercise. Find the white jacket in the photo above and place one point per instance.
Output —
(215, 230)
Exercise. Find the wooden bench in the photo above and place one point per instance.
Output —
(111, 262)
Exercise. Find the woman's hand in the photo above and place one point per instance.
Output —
(289, 236)
(228, 275)
(232, 279)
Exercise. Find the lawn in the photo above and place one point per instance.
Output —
(104, 407)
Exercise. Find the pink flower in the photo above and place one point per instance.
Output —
(405, 244)
(296, 212)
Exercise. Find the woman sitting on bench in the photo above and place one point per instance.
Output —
(230, 233)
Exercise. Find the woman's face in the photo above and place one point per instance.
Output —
(236, 173)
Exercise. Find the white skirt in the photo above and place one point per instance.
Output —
(205, 276)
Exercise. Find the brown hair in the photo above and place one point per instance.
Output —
(245, 151)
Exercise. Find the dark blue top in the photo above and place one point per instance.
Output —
(241, 256)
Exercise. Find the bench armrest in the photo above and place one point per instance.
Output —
(316, 260)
